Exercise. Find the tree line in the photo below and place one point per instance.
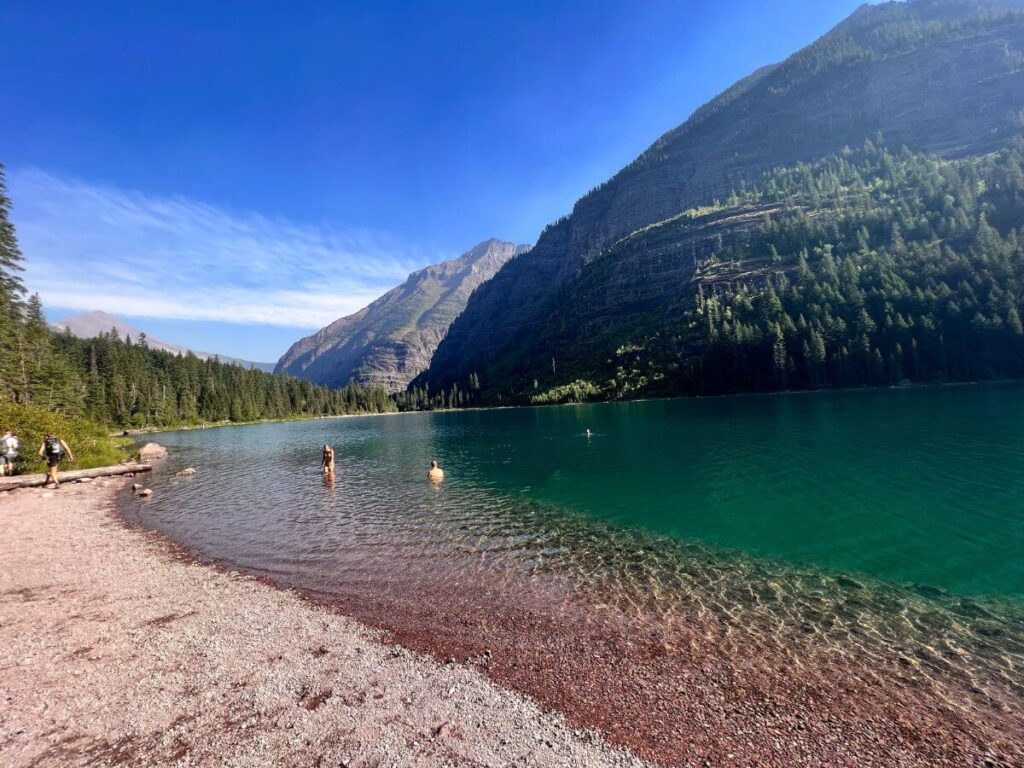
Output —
(417, 398)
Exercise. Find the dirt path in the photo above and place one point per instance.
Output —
(115, 651)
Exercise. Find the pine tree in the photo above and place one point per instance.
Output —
(11, 298)
(11, 288)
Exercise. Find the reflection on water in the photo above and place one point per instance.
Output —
(885, 526)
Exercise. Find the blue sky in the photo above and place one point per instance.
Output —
(231, 176)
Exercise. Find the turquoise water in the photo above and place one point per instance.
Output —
(921, 487)
(884, 524)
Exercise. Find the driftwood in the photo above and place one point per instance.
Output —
(29, 481)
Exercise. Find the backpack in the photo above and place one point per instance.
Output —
(53, 447)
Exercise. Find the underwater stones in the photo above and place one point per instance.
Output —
(151, 452)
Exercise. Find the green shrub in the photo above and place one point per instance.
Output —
(90, 443)
(579, 391)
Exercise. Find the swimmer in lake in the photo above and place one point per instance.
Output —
(435, 474)
(589, 433)
(328, 461)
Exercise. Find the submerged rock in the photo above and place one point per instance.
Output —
(186, 472)
(151, 452)
(145, 492)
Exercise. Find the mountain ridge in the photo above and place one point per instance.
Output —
(940, 76)
(88, 325)
(392, 339)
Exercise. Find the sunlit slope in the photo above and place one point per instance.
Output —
(943, 77)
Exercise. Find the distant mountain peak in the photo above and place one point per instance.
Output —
(392, 340)
(88, 325)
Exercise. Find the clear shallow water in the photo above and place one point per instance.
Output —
(884, 523)
(923, 486)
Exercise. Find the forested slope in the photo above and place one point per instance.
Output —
(942, 77)
(865, 268)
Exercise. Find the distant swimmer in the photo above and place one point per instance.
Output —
(435, 474)
(328, 461)
(589, 433)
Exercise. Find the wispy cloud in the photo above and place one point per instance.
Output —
(95, 247)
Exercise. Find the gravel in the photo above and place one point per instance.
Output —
(116, 650)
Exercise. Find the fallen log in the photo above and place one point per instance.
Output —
(30, 481)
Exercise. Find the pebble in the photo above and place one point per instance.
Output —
(189, 632)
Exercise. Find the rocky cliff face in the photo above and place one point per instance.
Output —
(392, 340)
(940, 76)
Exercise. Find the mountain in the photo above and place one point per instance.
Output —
(88, 325)
(941, 77)
(392, 340)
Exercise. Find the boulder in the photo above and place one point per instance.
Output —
(145, 492)
(136, 486)
(186, 472)
(151, 452)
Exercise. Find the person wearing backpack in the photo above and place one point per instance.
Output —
(53, 450)
(8, 453)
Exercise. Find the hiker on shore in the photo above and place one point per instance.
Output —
(9, 445)
(53, 449)
(435, 474)
(328, 461)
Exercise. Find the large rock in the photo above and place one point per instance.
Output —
(392, 340)
(151, 452)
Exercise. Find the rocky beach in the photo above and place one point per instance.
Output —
(117, 649)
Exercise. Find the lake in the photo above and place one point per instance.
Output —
(886, 526)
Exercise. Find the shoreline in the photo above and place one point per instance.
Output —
(117, 646)
(227, 666)
(682, 689)
(137, 433)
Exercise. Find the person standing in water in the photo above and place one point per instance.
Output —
(328, 461)
(53, 449)
(435, 474)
